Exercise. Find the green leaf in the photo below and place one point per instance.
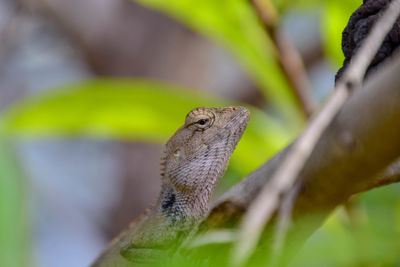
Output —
(14, 239)
(137, 110)
(370, 236)
(334, 19)
(234, 24)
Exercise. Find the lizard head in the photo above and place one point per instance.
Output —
(201, 148)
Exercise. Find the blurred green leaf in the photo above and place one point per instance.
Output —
(381, 208)
(234, 24)
(331, 245)
(137, 110)
(334, 19)
(370, 237)
(14, 238)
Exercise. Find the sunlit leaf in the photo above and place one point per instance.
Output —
(234, 24)
(135, 110)
(334, 19)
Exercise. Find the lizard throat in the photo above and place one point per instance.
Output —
(178, 208)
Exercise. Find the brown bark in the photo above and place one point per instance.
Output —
(351, 157)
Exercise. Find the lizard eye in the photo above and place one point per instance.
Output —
(203, 123)
(201, 118)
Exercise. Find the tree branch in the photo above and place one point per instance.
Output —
(389, 176)
(288, 57)
(263, 207)
(349, 158)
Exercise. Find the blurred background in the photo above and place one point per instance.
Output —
(90, 90)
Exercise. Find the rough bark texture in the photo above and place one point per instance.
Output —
(357, 29)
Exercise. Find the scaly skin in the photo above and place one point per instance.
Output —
(196, 157)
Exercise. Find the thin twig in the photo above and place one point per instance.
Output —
(289, 59)
(284, 221)
(283, 179)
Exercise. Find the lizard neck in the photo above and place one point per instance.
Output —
(184, 206)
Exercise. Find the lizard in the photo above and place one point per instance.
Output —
(195, 158)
